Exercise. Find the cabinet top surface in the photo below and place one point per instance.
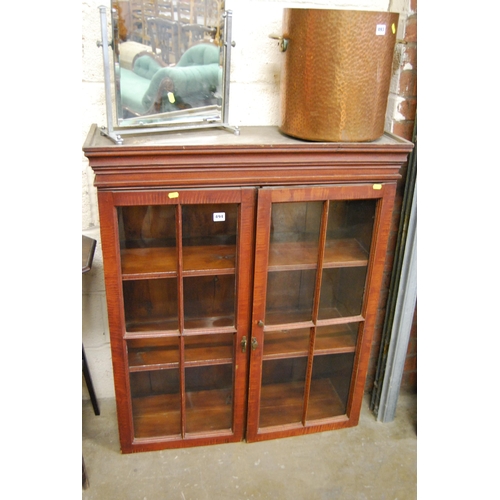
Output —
(249, 137)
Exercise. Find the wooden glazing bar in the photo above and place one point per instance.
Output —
(182, 384)
(291, 324)
(320, 259)
(317, 289)
(307, 382)
(180, 303)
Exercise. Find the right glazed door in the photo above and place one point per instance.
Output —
(316, 249)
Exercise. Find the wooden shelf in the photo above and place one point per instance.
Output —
(344, 253)
(335, 342)
(162, 353)
(142, 263)
(150, 353)
(207, 325)
(275, 320)
(213, 259)
(160, 415)
(324, 401)
(290, 256)
(161, 262)
(153, 326)
(211, 324)
(295, 343)
(282, 404)
(156, 416)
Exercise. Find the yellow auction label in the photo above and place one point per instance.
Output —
(175, 194)
(377, 186)
(393, 29)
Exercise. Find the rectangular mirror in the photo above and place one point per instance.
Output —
(170, 65)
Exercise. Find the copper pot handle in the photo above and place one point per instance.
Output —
(283, 42)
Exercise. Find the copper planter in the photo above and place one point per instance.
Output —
(336, 73)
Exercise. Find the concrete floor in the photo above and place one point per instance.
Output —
(371, 461)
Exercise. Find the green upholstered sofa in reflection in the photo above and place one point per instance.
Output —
(151, 87)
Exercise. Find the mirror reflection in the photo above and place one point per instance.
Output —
(168, 59)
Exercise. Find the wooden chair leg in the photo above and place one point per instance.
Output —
(88, 381)
(85, 479)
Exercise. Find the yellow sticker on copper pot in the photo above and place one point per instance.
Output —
(175, 194)
(393, 28)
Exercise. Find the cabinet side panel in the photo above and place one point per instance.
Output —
(379, 247)
(112, 278)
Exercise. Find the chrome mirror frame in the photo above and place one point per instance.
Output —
(211, 117)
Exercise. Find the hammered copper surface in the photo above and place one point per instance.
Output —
(336, 74)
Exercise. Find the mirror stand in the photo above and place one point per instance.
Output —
(212, 116)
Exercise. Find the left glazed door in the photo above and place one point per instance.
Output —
(181, 266)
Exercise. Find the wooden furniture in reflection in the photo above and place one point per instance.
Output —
(140, 11)
(164, 36)
(171, 26)
(243, 277)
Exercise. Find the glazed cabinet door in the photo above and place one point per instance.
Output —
(318, 268)
(180, 270)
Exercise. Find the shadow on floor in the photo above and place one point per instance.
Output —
(371, 461)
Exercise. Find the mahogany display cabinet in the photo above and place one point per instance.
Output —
(243, 277)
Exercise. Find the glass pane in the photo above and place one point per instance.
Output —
(162, 351)
(209, 398)
(209, 224)
(209, 301)
(336, 337)
(146, 226)
(293, 258)
(209, 237)
(294, 235)
(147, 239)
(213, 348)
(150, 305)
(349, 232)
(290, 296)
(282, 391)
(156, 403)
(286, 343)
(352, 219)
(331, 379)
(342, 292)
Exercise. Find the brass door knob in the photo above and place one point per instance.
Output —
(254, 343)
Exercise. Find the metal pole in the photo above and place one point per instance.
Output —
(228, 43)
(107, 80)
(401, 328)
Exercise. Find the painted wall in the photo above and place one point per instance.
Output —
(254, 100)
